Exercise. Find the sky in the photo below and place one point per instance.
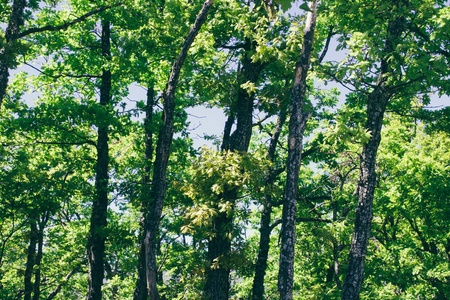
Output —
(210, 121)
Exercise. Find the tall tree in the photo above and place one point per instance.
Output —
(219, 245)
(98, 225)
(398, 74)
(376, 106)
(297, 123)
(158, 189)
(10, 43)
(266, 214)
(140, 291)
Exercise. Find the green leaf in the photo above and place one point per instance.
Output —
(285, 4)
(305, 6)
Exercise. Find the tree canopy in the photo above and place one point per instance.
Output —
(327, 180)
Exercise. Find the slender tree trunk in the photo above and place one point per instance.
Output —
(336, 251)
(158, 191)
(266, 214)
(11, 36)
(219, 246)
(140, 291)
(31, 259)
(37, 273)
(98, 226)
(297, 125)
(376, 106)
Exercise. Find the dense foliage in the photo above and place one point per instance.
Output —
(94, 94)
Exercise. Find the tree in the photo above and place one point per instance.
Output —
(97, 231)
(11, 45)
(390, 85)
(152, 217)
(297, 123)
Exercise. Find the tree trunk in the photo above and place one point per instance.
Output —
(31, 259)
(98, 226)
(162, 156)
(140, 291)
(217, 284)
(297, 125)
(266, 214)
(376, 106)
(37, 273)
(11, 36)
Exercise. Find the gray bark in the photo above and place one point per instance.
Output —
(297, 125)
(376, 107)
(11, 36)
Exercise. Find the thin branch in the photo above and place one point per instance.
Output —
(259, 122)
(327, 44)
(63, 74)
(320, 220)
(401, 85)
(426, 37)
(65, 280)
(344, 84)
(66, 25)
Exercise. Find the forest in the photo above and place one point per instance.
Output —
(329, 178)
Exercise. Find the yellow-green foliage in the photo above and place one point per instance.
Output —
(216, 178)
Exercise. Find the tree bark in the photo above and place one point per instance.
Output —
(140, 291)
(31, 259)
(376, 107)
(297, 125)
(162, 156)
(98, 225)
(40, 244)
(11, 36)
(217, 284)
(266, 214)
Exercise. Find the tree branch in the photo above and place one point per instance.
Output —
(66, 25)
(327, 44)
(65, 280)
(320, 220)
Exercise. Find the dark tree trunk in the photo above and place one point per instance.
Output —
(140, 291)
(11, 36)
(31, 259)
(263, 253)
(158, 190)
(266, 214)
(297, 125)
(98, 226)
(336, 250)
(217, 284)
(40, 244)
(376, 106)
